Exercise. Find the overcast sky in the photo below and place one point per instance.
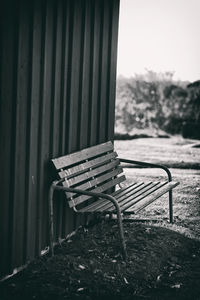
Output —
(160, 35)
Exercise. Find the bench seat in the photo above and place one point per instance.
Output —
(131, 199)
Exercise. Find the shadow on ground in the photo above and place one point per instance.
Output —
(162, 264)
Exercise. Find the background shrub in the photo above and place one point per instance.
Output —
(156, 101)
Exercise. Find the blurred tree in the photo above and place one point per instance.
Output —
(194, 101)
(156, 101)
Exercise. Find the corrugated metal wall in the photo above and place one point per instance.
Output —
(57, 87)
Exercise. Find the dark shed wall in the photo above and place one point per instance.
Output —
(57, 92)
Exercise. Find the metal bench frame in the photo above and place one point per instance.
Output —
(56, 185)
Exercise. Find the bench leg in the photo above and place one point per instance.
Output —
(121, 232)
(112, 199)
(170, 207)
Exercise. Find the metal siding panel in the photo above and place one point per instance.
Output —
(57, 113)
(46, 125)
(39, 196)
(76, 73)
(65, 70)
(94, 125)
(85, 96)
(20, 183)
(114, 18)
(103, 100)
(57, 83)
(9, 23)
(32, 211)
(74, 89)
(74, 112)
(67, 214)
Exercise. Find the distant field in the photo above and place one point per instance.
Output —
(184, 156)
(174, 151)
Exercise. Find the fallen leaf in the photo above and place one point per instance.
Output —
(176, 286)
(126, 281)
(96, 271)
(81, 267)
(158, 278)
(81, 289)
(109, 277)
(171, 273)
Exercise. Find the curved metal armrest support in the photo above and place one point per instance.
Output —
(55, 186)
(148, 165)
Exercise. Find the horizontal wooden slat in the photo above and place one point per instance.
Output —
(125, 188)
(132, 191)
(126, 198)
(141, 189)
(83, 167)
(99, 189)
(140, 195)
(148, 200)
(105, 205)
(101, 203)
(82, 155)
(94, 172)
(96, 181)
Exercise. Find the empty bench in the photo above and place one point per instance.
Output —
(91, 179)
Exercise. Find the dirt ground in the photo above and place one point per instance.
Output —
(163, 259)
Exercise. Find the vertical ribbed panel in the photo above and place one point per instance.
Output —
(57, 89)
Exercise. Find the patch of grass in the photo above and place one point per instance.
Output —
(175, 152)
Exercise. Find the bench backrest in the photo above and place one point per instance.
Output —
(94, 169)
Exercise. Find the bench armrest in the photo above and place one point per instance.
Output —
(148, 165)
(55, 186)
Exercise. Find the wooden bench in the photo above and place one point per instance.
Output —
(91, 179)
